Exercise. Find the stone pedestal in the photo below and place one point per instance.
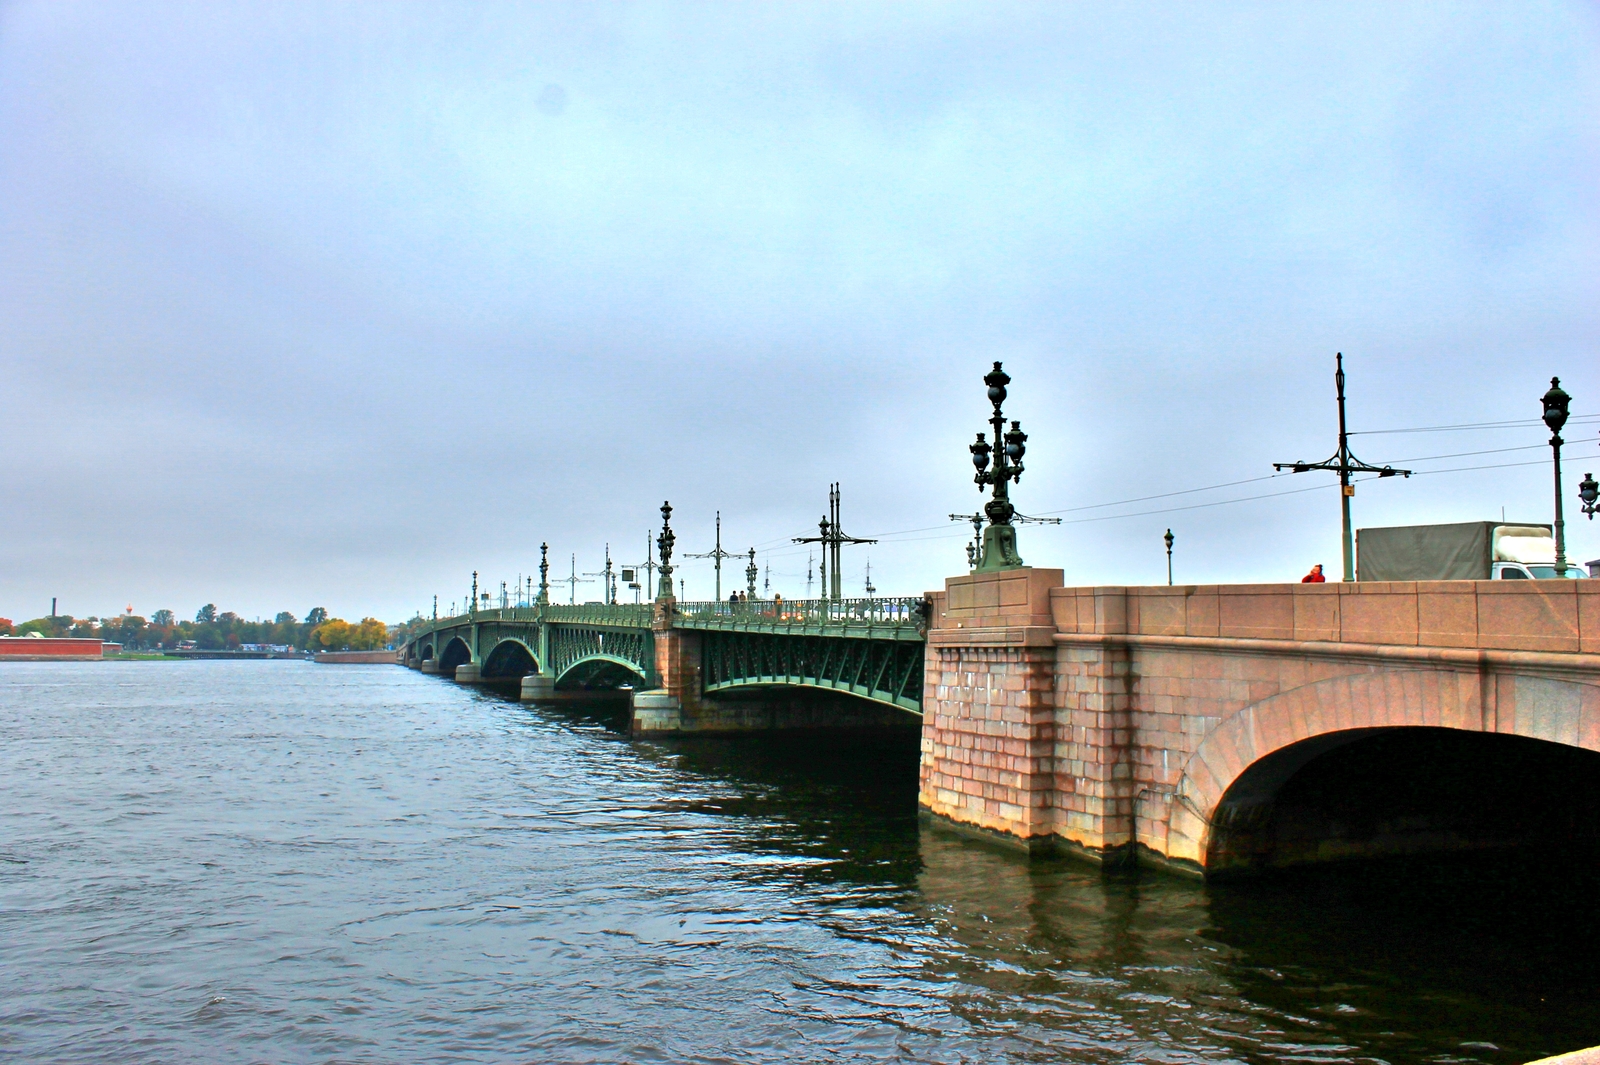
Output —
(467, 673)
(988, 725)
(656, 712)
(429, 665)
(536, 687)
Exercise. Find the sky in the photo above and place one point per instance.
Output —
(333, 304)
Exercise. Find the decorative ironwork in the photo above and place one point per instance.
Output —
(884, 671)
(890, 619)
(574, 646)
(1000, 538)
(664, 544)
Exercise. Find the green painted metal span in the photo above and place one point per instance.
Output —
(872, 648)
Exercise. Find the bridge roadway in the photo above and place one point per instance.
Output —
(1203, 729)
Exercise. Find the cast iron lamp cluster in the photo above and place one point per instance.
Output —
(1000, 538)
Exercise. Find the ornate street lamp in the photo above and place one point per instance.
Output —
(1000, 538)
(750, 573)
(1556, 403)
(1169, 538)
(544, 574)
(1588, 491)
(664, 544)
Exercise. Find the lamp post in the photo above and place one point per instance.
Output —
(1000, 538)
(750, 574)
(664, 544)
(544, 574)
(1556, 403)
(1588, 491)
(1169, 538)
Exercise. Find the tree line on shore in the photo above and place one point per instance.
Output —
(222, 631)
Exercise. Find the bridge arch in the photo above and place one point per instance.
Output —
(1228, 788)
(601, 671)
(455, 653)
(511, 659)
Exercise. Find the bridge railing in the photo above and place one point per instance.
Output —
(629, 615)
(902, 617)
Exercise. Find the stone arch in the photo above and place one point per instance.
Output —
(1341, 709)
(455, 653)
(511, 659)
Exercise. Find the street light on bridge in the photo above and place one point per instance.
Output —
(1589, 492)
(1000, 538)
(1556, 402)
(664, 544)
(750, 574)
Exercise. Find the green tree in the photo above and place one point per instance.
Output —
(163, 618)
(318, 615)
(284, 618)
(207, 614)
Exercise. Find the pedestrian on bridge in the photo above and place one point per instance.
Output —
(1315, 576)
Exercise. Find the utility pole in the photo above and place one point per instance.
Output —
(832, 537)
(1344, 464)
(573, 581)
(608, 587)
(871, 591)
(766, 583)
(810, 560)
(717, 553)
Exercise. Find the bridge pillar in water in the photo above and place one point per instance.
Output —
(988, 713)
(467, 673)
(668, 708)
(536, 687)
(429, 665)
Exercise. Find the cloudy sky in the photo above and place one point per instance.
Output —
(307, 304)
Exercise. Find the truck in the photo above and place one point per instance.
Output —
(1468, 551)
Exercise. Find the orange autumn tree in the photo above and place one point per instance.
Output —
(337, 634)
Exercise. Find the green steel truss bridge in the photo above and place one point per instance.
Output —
(870, 648)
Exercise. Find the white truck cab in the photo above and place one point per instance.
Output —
(1527, 553)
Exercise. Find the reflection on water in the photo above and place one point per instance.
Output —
(272, 861)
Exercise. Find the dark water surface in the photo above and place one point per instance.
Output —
(279, 862)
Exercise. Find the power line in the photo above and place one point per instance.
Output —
(1521, 423)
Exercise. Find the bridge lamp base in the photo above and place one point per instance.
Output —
(999, 549)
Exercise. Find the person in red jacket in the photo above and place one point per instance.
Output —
(1315, 576)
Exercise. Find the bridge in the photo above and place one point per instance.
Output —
(1188, 727)
(672, 654)
(1203, 729)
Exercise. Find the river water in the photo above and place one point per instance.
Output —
(280, 862)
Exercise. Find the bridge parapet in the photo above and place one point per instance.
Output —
(902, 618)
(618, 615)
